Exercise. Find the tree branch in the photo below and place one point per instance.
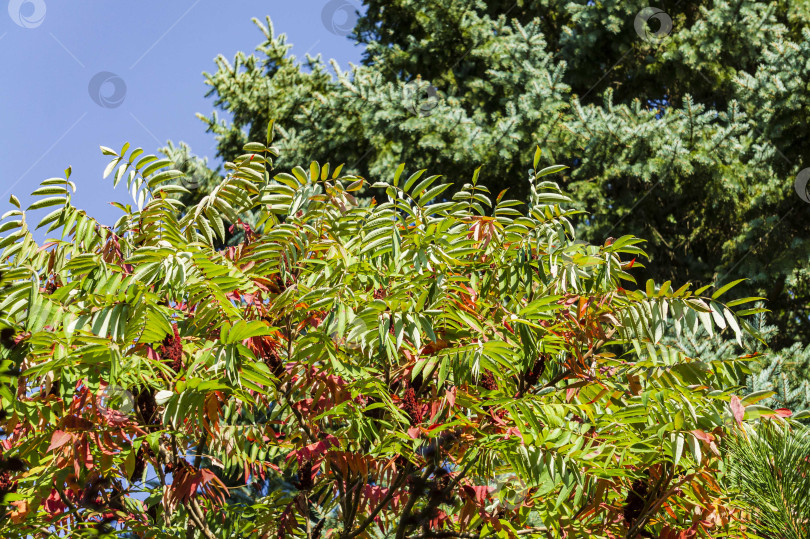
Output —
(196, 514)
(406, 511)
(398, 480)
(356, 502)
(286, 394)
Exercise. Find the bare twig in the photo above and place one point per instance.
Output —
(196, 514)
(355, 502)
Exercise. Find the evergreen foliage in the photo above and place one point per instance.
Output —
(770, 469)
(692, 141)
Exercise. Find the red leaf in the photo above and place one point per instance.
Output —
(115, 418)
(314, 451)
(783, 412)
(512, 431)
(59, 439)
(53, 503)
(700, 435)
(436, 522)
(737, 409)
(477, 493)
(451, 397)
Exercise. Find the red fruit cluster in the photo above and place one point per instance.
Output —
(316, 533)
(6, 484)
(273, 361)
(533, 375)
(379, 293)
(145, 404)
(439, 487)
(267, 350)
(411, 406)
(171, 351)
(487, 381)
(634, 504)
(305, 476)
(140, 463)
(8, 465)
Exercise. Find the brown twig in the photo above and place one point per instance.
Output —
(355, 502)
(398, 481)
(406, 511)
(196, 514)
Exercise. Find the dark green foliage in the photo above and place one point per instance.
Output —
(692, 141)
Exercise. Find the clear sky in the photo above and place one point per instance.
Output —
(151, 55)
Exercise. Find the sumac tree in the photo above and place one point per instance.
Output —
(425, 365)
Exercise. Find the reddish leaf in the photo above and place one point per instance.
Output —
(53, 503)
(703, 436)
(451, 397)
(476, 493)
(59, 439)
(737, 409)
(314, 451)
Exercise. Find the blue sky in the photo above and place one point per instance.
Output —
(154, 53)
